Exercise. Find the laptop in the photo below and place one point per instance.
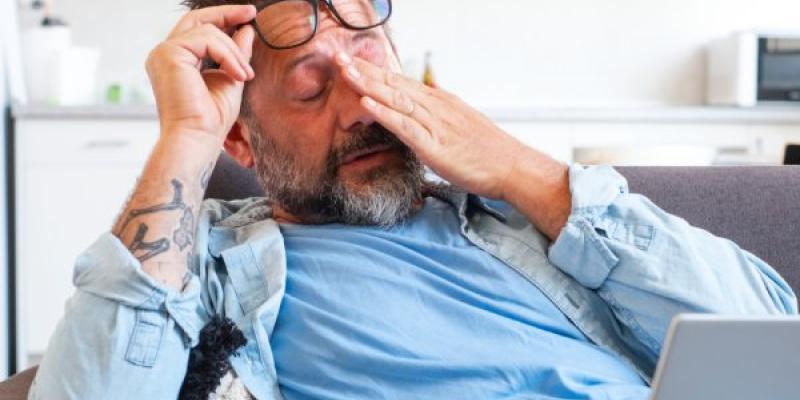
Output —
(708, 357)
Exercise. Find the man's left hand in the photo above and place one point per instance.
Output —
(457, 142)
(463, 146)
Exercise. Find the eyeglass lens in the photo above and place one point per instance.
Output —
(289, 23)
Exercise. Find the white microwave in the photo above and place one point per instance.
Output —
(751, 68)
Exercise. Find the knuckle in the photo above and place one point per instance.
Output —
(443, 94)
(429, 91)
(407, 126)
(392, 79)
(155, 55)
(185, 19)
(370, 86)
(208, 28)
(401, 101)
(188, 20)
(164, 56)
(148, 62)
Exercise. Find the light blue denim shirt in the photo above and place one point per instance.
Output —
(620, 269)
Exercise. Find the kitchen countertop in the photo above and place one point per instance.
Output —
(43, 111)
(768, 114)
(771, 114)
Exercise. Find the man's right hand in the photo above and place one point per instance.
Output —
(192, 101)
(196, 108)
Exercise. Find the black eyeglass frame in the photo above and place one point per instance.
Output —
(315, 4)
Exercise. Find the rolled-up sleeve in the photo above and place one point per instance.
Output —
(649, 265)
(123, 335)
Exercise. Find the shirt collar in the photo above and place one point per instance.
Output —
(466, 203)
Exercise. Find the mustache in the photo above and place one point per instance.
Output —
(365, 138)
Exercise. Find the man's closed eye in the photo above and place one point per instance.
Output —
(314, 94)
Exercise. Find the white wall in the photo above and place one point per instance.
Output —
(578, 52)
(506, 52)
(125, 31)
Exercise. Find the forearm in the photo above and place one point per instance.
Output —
(158, 223)
(649, 265)
(538, 187)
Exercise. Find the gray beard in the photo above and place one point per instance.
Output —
(384, 198)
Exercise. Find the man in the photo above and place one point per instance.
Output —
(354, 278)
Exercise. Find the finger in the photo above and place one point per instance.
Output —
(390, 78)
(244, 61)
(398, 98)
(206, 44)
(407, 129)
(244, 41)
(220, 16)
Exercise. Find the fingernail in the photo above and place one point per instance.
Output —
(344, 58)
(353, 72)
(370, 103)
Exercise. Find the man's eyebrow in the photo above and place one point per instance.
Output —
(362, 35)
(299, 60)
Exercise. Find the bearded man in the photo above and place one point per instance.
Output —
(354, 277)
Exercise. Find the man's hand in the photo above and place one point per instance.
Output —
(196, 109)
(463, 146)
(192, 101)
(450, 137)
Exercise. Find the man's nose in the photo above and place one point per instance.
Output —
(348, 104)
(347, 99)
(351, 112)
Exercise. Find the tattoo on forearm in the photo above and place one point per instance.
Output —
(183, 236)
(151, 249)
(176, 204)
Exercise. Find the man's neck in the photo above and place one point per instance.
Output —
(284, 217)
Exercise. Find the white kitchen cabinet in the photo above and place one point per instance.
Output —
(74, 170)
(759, 135)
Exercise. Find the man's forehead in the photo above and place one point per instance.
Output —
(321, 50)
(329, 40)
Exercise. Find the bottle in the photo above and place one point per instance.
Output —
(427, 77)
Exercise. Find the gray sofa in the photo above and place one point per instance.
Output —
(756, 207)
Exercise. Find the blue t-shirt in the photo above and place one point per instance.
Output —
(418, 312)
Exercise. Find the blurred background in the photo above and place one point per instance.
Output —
(621, 82)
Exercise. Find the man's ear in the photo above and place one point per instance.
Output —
(238, 146)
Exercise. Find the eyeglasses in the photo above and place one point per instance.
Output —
(286, 24)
